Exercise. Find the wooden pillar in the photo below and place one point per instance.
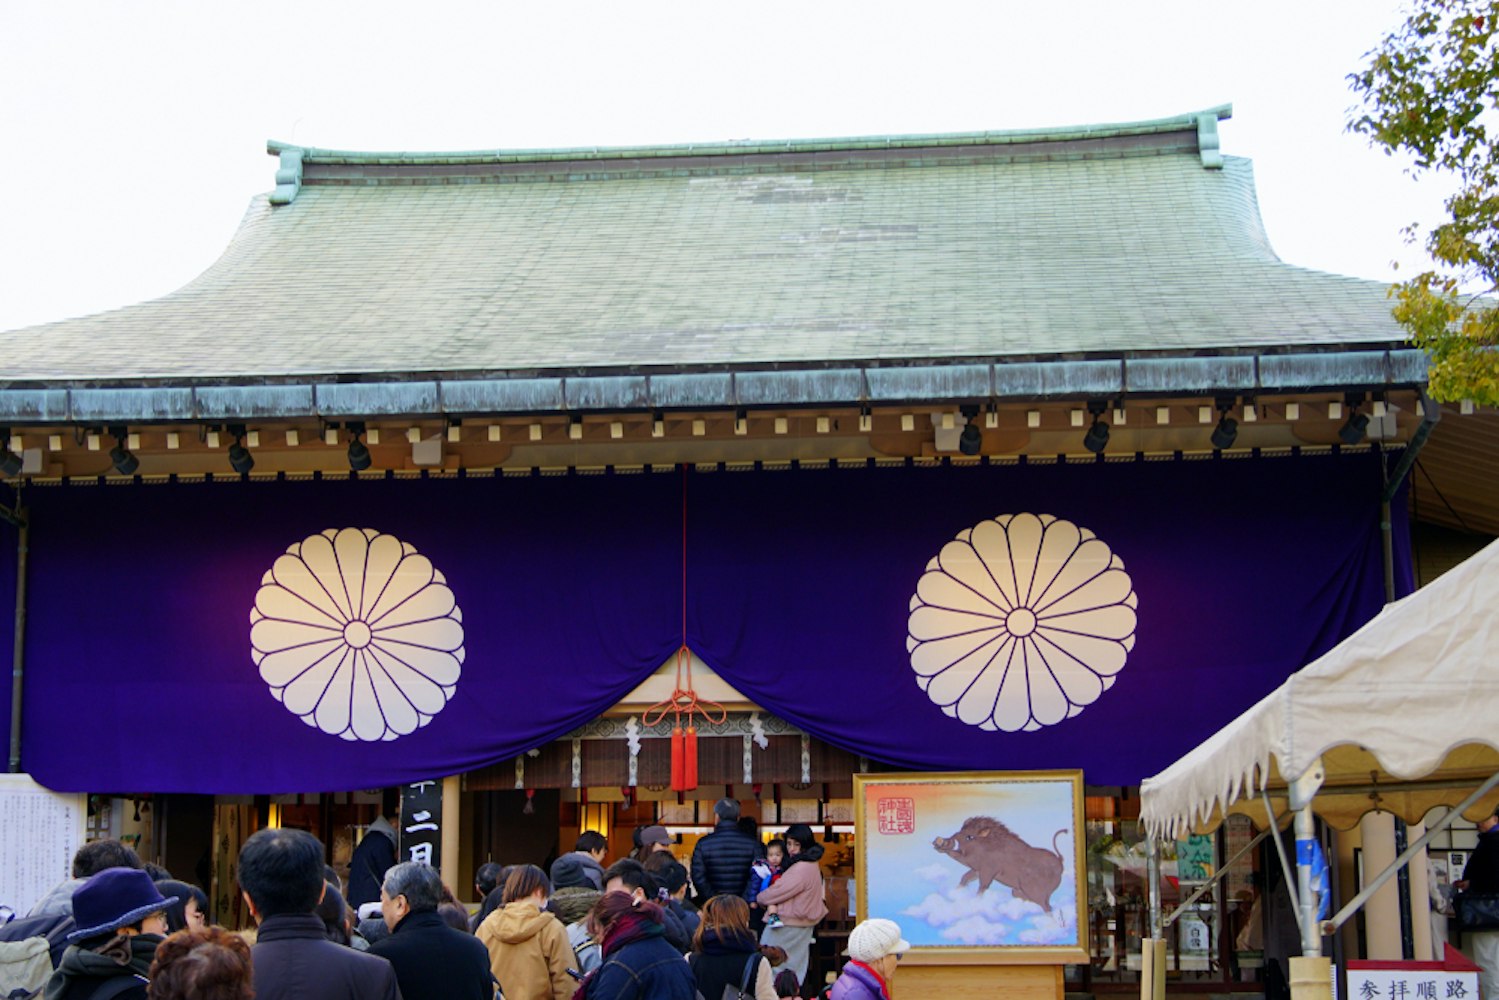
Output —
(1153, 969)
(1382, 911)
(450, 836)
(1427, 949)
(1311, 978)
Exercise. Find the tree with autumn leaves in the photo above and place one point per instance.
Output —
(1431, 90)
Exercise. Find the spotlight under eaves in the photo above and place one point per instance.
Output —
(124, 460)
(240, 459)
(971, 441)
(1226, 432)
(1097, 437)
(1352, 432)
(359, 453)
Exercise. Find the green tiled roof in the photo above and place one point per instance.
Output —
(1100, 242)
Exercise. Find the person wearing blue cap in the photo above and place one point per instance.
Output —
(120, 918)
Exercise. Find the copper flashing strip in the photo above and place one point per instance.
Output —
(924, 384)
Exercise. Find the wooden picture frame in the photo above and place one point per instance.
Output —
(977, 867)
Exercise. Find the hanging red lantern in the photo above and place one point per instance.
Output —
(679, 759)
(683, 704)
(689, 758)
(684, 699)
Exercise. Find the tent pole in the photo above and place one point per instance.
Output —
(1431, 413)
(1153, 880)
(1303, 790)
(1285, 865)
(1306, 896)
(1311, 973)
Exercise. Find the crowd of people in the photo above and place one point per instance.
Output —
(738, 926)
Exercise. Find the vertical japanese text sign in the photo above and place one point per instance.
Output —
(421, 814)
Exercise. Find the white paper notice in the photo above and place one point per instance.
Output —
(40, 831)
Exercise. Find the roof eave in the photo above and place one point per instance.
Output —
(1366, 370)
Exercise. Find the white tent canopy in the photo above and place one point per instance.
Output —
(1404, 715)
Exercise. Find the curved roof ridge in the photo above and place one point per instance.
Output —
(739, 147)
(1058, 253)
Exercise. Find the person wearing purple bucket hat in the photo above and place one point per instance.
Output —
(121, 918)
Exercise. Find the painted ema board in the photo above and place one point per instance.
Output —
(977, 867)
(40, 831)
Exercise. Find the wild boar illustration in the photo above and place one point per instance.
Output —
(993, 853)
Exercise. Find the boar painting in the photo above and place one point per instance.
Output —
(988, 863)
(990, 852)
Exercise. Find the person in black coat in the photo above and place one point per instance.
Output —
(281, 878)
(374, 856)
(1481, 877)
(721, 862)
(432, 960)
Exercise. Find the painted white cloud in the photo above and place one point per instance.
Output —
(1049, 928)
(963, 915)
(975, 930)
(938, 874)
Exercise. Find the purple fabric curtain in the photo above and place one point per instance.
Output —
(8, 539)
(1244, 570)
(249, 637)
(141, 673)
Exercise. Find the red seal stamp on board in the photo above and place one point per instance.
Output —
(896, 815)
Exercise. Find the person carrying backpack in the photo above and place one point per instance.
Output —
(725, 960)
(47, 926)
(121, 918)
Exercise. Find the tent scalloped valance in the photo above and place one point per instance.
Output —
(1411, 697)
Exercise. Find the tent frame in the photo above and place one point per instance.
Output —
(1304, 900)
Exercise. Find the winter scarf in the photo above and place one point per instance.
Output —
(810, 853)
(863, 978)
(644, 923)
(732, 944)
(121, 956)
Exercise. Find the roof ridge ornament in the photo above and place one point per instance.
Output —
(288, 176)
(1205, 121)
(1207, 141)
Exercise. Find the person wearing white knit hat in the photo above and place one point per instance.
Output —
(874, 948)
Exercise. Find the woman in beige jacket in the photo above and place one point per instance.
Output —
(528, 949)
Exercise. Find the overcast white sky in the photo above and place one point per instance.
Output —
(134, 132)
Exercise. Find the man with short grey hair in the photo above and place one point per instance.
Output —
(432, 960)
(721, 862)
